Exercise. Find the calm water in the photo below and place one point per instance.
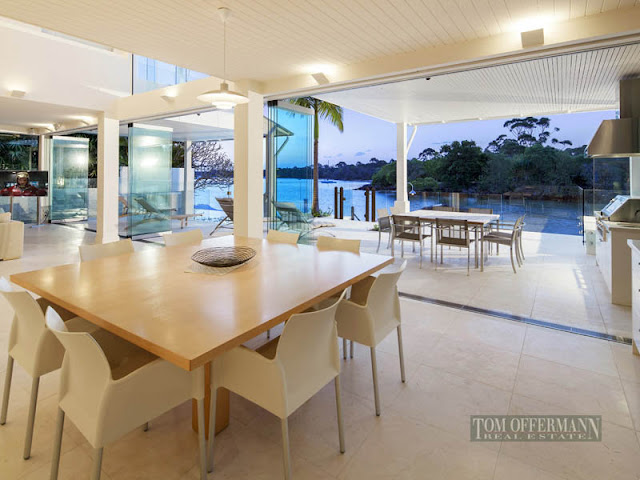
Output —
(541, 216)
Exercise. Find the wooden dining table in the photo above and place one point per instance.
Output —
(476, 221)
(189, 319)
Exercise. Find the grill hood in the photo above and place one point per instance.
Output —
(621, 137)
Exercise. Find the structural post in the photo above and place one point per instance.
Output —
(44, 164)
(189, 178)
(634, 176)
(108, 155)
(402, 198)
(247, 170)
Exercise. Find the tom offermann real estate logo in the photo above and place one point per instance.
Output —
(536, 428)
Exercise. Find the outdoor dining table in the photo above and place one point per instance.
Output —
(477, 221)
(189, 319)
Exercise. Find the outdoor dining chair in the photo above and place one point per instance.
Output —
(370, 314)
(384, 226)
(33, 347)
(283, 374)
(454, 233)
(509, 239)
(226, 204)
(441, 208)
(407, 228)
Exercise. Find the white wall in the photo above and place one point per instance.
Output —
(60, 71)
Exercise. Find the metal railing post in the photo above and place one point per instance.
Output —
(373, 204)
(366, 204)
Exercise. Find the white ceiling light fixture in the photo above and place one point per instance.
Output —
(532, 38)
(17, 93)
(223, 98)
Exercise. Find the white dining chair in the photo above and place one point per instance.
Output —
(33, 347)
(278, 236)
(339, 244)
(109, 387)
(343, 245)
(103, 250)
(370, 314)
(191, 237)
(285, 373)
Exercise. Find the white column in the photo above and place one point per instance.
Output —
(44, 164)
(402, 199)
(248, 166)
(188, 178)
(108, 156)
(634, 176)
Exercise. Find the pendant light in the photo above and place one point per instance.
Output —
(223, 98)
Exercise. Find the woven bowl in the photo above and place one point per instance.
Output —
(223, 256)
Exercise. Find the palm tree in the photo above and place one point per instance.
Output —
(327, 111)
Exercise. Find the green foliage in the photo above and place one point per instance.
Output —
(18, 152)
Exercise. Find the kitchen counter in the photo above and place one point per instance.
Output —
(614, 257)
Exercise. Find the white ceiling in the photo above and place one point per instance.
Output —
(276, 38)
(24, 113)
(584, 81)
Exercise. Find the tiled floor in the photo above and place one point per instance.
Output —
(457, 363)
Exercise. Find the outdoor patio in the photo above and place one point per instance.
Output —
(458, 363)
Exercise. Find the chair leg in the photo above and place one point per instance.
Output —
(401, 248)
(401, 353)
(145, 427)
(268, 334)
(97, 463)
(57, 445)
(374, 370)
(379, 240)
(336, 382)
(344, 348)
(351, 349)
(520, 245)
(212, 427)
(32, 417)
(420, 253)
(201, 439)
(468, 259)
(7, 389)
(512, 264)
(286, 454)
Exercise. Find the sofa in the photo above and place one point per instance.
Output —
(11, 237)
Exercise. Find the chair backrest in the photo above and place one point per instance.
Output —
(103, 250)
(383, 302)
(452, 232)
(226, 204)
(28, 320)
(403, 224)
(308, 353)
(384, 223)
(488, 211)
(85, 370)
(440, 208)
(192, 237)
(396, 210)
(277, 236)
(341, 244)
(288, 212)
(382, 212)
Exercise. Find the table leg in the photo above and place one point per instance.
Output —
(482, 249)
(222, 405)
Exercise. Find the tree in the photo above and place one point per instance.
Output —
(327, 111)
(212, 166)
(462, 164)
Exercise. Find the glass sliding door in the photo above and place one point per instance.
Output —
(149, 185)
(289, 167)
(69, 184)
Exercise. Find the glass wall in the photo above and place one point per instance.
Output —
(149, 180)
(289, 144)
(69, 178)
(150, 74)
(18, 152)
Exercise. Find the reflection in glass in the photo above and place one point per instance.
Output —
(69, 178)
(149, 180)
